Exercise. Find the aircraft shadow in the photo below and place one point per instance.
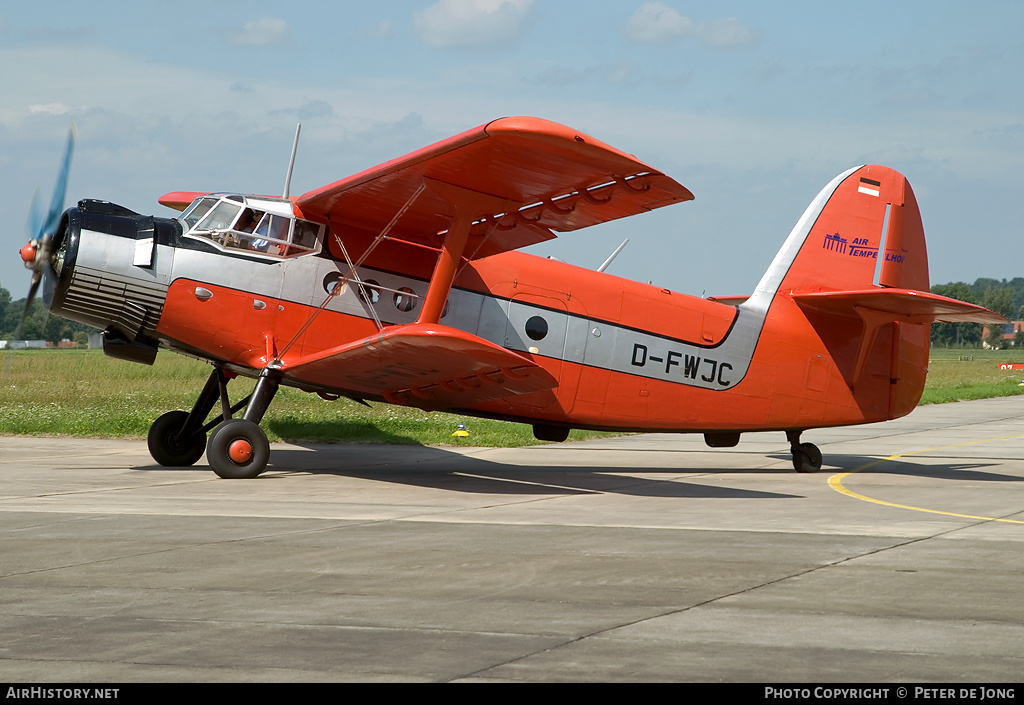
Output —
(951, 469)
(441, 469)
(438, 468)
(342, 430)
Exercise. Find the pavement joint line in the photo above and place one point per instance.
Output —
(199, 544)
(104, 490)
(709, 601)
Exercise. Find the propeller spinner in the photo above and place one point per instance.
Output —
(36, 253)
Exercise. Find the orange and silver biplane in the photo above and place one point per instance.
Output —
(402, 284)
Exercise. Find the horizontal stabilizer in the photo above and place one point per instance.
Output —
(877, 308)
(903, 304)
(729, 300)
(426, 365)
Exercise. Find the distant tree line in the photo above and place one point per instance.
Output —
(39, 324)
(1004, 297)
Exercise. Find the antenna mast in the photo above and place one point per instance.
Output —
(291, 162)
(613, 256)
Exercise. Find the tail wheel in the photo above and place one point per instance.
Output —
(172, 448)
(238, 449)
(806, 457)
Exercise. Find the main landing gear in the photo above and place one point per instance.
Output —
(806, 456)
(237, 449)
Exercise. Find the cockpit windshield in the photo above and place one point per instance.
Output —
(259, 226)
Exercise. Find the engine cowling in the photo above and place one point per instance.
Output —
(101, 271)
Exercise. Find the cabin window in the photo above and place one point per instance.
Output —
(537, 328)
(331, 281)
(405, 299)
(369, 290)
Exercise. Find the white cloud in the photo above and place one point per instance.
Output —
(658, 23)
(266, 31)
(385, 29)
(48, 109)
(468, 23)
(726, 33)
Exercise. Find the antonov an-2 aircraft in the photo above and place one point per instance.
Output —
(402, 284)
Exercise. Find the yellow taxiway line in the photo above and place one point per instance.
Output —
(836, 482)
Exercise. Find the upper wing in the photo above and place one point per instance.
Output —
(561, 180)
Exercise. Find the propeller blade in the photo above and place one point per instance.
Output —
(49, 227)
(35, 216)
(36, 253)
(28, 305)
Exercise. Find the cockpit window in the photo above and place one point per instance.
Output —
(233, 223)
(197, 210)
(220, 217)
(248, 221)
(305, 234)
(274, 227)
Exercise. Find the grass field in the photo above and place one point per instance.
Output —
(84, 393)
(958, 375)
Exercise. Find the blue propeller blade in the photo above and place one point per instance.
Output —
(35, 216)
(44, 226)
(49, 227)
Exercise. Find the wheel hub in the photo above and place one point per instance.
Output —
(240, 451)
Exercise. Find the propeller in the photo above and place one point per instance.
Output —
(43, 226)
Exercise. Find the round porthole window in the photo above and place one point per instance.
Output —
(536, 328)
(405, 299)
(331, 282)
(369, 291)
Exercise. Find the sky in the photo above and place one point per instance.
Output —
(753, 106)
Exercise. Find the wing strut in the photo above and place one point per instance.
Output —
(351, 274)
(469, 205)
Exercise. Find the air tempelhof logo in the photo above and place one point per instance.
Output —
(835, 242)
(860, 247)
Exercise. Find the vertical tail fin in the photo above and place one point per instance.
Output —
(856, 265)
(863, 231)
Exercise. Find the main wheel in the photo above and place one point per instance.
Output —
(169, 446)
(806, 458)
(238, 449)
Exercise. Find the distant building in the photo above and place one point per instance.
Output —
(1010, 331)
(23, 344)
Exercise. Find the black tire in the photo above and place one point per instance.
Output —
(554, 434)
(229, 437)
(168, 448)
(806, 458)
